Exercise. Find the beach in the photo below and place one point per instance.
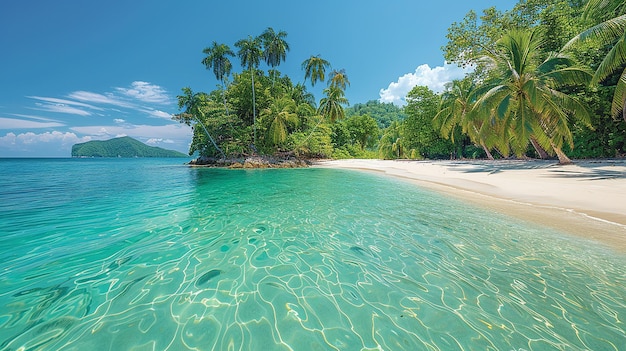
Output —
(586, 199)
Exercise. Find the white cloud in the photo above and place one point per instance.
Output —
(433, 78)
(13, 140)
(159, 114)
(64, 102)
(96, 98)
(59, 108)
(146, 132)
(146, 92)
(14, 123)
(119, 121)
(51, 104)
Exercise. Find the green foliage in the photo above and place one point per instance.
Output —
(420, 138)
(121, 147)
(383, 113)
(363, 130)
(390, 145)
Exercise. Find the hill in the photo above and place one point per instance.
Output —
(121, 147)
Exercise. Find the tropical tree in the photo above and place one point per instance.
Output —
(274, 47)
(331, 106)
(217, 58)
(315, 69)
(250, 55)
(527, 98)
(339, 78)
(418, 130)
(611, 31)
(363, 130)
(458, 110)
(390, 144)
(193, 111)
(282, 115)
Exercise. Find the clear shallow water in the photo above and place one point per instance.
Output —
(152, 255)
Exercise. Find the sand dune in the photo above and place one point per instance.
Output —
(587, 198)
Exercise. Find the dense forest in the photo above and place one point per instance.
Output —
(548, 81)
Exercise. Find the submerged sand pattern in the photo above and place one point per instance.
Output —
(346, 261)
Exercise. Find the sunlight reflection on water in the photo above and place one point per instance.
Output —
(156, 255)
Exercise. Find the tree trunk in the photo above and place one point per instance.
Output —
(489, 155)
(563, 159)
(253, 109)
(540, 151)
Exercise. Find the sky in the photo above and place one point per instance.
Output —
(72, 71)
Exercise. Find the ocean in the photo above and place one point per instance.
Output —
(150, 254)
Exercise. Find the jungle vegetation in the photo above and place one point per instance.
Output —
(548, 81)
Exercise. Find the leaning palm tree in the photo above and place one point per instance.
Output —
(274, 47)
(193, 105)
(250, 55)
(315, 68)
(527, 98)
(331, 106)
(611, 31)
(217, 58)
(339, 78)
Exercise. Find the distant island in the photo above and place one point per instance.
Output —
(121, 147)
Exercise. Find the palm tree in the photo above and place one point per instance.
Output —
(331, 106)
(217, 58)
(390, 144)
(457, 109)
(282, 113)
(525, 98)
(339, 79)
(274, 47)
(250, 55)
(315, 68)
(611, 31)
(193, 103)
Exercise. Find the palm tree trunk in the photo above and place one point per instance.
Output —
(563, 159)
(210, 138)
(489, 155)
(253, 109)
(540, 151)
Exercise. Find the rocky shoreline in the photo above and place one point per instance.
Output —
(250, 162)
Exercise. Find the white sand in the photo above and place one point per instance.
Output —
(587, 198)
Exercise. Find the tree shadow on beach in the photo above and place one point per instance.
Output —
(588, 170)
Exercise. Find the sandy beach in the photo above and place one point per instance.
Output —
(587, 198)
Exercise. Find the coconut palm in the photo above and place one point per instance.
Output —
(217, 58)
(274, 47)
(611, 31)
(339, 79)
(250, 55)
(315, 68)
(458, 109)
(193, 105)
(331, 106)
(525, 98)
(282, 113)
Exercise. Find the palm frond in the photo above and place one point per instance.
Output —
(604, 33)
(613, 60)
(619, 106)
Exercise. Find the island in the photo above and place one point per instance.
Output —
(121, 147)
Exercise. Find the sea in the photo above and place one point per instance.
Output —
(152, 254)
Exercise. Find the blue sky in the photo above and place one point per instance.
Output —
(74, 70)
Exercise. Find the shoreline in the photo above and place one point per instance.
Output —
(583, 199)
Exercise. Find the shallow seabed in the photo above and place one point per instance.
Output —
(153, 255)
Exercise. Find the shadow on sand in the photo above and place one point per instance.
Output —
(586, 170)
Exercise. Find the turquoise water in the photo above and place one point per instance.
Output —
(120, 254)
